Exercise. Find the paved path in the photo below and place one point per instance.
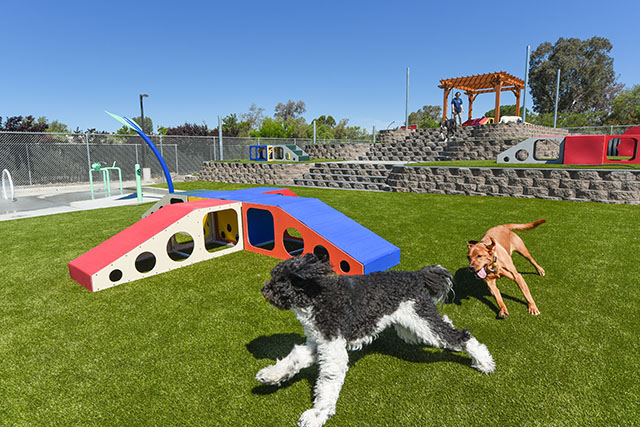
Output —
(49, 200)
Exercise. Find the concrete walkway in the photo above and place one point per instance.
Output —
(48, 200)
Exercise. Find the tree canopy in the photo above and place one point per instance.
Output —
(626, 107)
(23, 124)
(289, 111)
(426, 117)
(587, 79)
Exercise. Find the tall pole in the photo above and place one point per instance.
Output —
(373, 135)
(220, 137)
(406, 110)
(142, 95)
(314, 131)
(526, 85)
(555, 110)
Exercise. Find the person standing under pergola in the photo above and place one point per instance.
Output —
(483, 83)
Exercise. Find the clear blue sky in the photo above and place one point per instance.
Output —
(71, 60)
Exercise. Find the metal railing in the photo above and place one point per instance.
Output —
(57, 158)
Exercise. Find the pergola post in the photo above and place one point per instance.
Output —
(482, 83)
(498, 89)
(445, 105)
(472, 97)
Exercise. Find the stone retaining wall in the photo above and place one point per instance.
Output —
(489, 131)
(253, 173)
(351, 151)
(605, 186)
(598, 185)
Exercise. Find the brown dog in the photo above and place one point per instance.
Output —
(490, 259)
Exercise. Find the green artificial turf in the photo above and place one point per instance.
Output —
(495, 164)
(182, 348)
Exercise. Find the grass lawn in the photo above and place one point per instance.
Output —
(495, 164)
(182, 348)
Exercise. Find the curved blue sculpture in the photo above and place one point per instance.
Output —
(133, 125)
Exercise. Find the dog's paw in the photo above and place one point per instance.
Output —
(503, 314)
(313, 418)
(270, 375)
(534, 310)
(481, 359)
(541, 271)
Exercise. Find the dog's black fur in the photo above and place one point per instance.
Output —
(352, 305)
(448, 128)
(341, 313)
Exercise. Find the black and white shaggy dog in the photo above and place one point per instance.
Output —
(341, 313)
(447, 129)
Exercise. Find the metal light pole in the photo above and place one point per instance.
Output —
(555, 110)
(526, 85)
(220, 138)
(406, 109)
(142, 95)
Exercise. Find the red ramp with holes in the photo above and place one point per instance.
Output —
(174, 236)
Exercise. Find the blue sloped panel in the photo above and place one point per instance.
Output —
(371, 250)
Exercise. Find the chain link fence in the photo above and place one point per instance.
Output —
(599, 130)
(60, 158)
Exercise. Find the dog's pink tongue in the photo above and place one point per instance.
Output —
(482, 273)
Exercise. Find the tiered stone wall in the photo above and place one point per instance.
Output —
(515, 130)
(606, 186)
(351, 151)
(490, 131)
(598, 185)
(253, 173)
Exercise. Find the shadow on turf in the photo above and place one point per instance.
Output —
(467, 285)
(279, 345)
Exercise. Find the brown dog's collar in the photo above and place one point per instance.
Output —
(494, 265)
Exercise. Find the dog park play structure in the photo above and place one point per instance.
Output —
(188, 227)
(478, 122)
(280, 152)
(580, 149)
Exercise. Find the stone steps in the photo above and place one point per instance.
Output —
(347, 175)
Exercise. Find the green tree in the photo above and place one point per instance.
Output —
(326, 120)
(587, 79)
(254, 117)
(271, 128)
(57, 127)
(290, 110)
(626, 107)
(148, 126)
(231, 126)
(510, 110)
(192, 129)
(23, 124)
(426, 117)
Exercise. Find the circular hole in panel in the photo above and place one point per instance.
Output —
(115, 275)
(506, 159)
(321, 252)
(293, 241)
(145, 262)
(180, 246)
(229, 228)
(344, 266)
(522, 155)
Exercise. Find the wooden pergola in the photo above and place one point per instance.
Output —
(482, 83)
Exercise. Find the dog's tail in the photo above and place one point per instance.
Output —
(524, 227)
(438, 281)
